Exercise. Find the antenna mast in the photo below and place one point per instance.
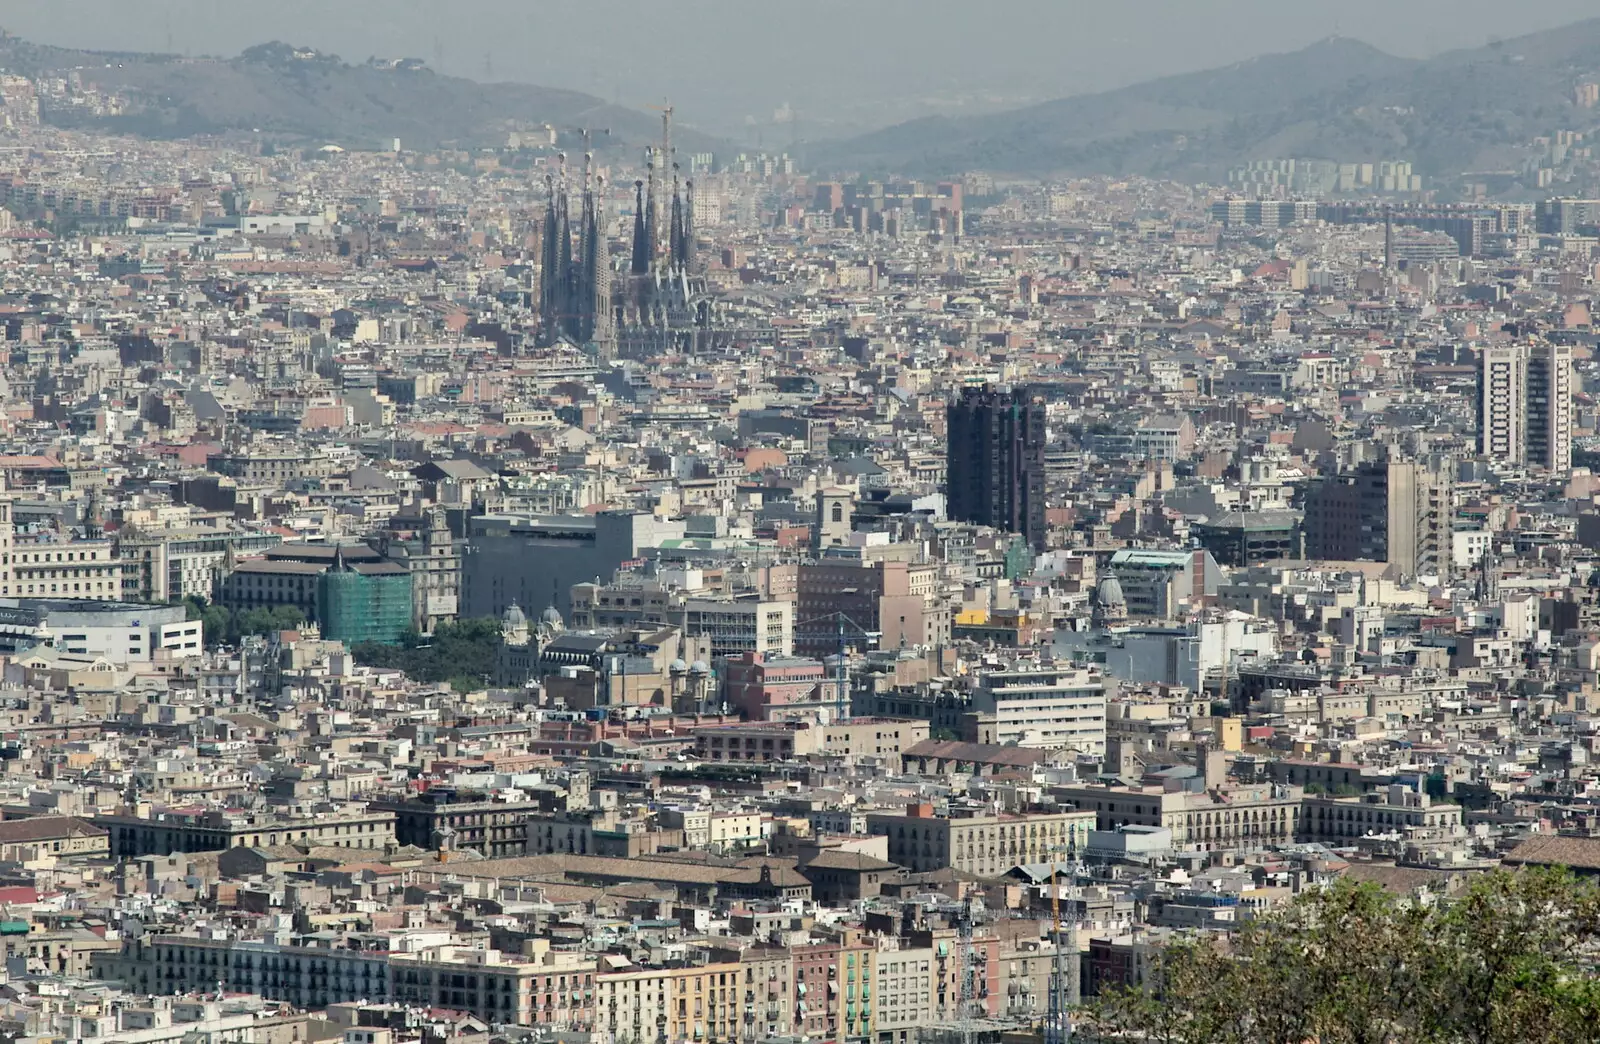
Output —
(966, 1031)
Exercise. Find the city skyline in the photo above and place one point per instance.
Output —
(484, 566)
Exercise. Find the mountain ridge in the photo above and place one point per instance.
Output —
(1338, 98)
(294, 94)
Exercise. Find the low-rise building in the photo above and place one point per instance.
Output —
(165, 831)
(1220, 817)
(27, 840)
(1396, 810)
(984, 845)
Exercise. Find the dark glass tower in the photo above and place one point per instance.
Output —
(995, 466)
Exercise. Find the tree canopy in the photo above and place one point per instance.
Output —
(1510, 960)
(461, 653)
(225, 626)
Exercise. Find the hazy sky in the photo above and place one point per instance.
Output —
(836, 63)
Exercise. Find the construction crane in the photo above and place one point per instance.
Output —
(1063, 995)
(1053, 1027)
(848, 633)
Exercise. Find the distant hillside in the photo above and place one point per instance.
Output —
(1337, 99)
(295, 94)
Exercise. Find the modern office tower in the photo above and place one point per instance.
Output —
(1393, 510)
(1568, 217)
(1525, 405)
(995, 468)
(1502, 387)
(1548, 414)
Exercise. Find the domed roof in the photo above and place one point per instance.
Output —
(699, 667)
(678, 666)
(513, 617)
(1109, 592)
(551, 618)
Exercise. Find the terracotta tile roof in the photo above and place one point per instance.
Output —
(1580, 853)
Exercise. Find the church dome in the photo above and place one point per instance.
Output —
(1109, 592)
(513, 618)
(551, 618)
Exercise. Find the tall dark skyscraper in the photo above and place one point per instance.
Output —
(995, 466)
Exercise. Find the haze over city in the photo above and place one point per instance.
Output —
(839, 66)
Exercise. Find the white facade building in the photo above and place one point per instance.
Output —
(1055, 707)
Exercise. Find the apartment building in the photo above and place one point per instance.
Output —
(737, 626)
(1502, 388)
(1397, 510)
(546, 988)
(767, 978)
(1395, 810)
(24, 840)
(635, 1004)
(887, 603)
(542, 988)
(276, 469)
(904, 993)
(1059, 707)
(494, 828)
(47, 566)
(306, 976)
(166, 565)
(1525, 405)
(733, 830)
(1220, 817)
(670, 1004)
(757, 741)
(833, 985)
(765, 741)
(1155, 584)
(1550, 415)
(984, 845)
(352, 826)
(759, 686)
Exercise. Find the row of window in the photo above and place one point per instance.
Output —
(58, 556)
(97, 589)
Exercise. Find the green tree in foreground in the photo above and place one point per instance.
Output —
(1512, 960)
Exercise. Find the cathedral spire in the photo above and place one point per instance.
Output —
(566, 282)
(549, 268)
(587, 251)
(601, 331)
(675, 252)
(641, 232)
(688, 225)
(668, 156)
(652, 214)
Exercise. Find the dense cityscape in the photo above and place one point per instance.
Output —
(624, 593)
